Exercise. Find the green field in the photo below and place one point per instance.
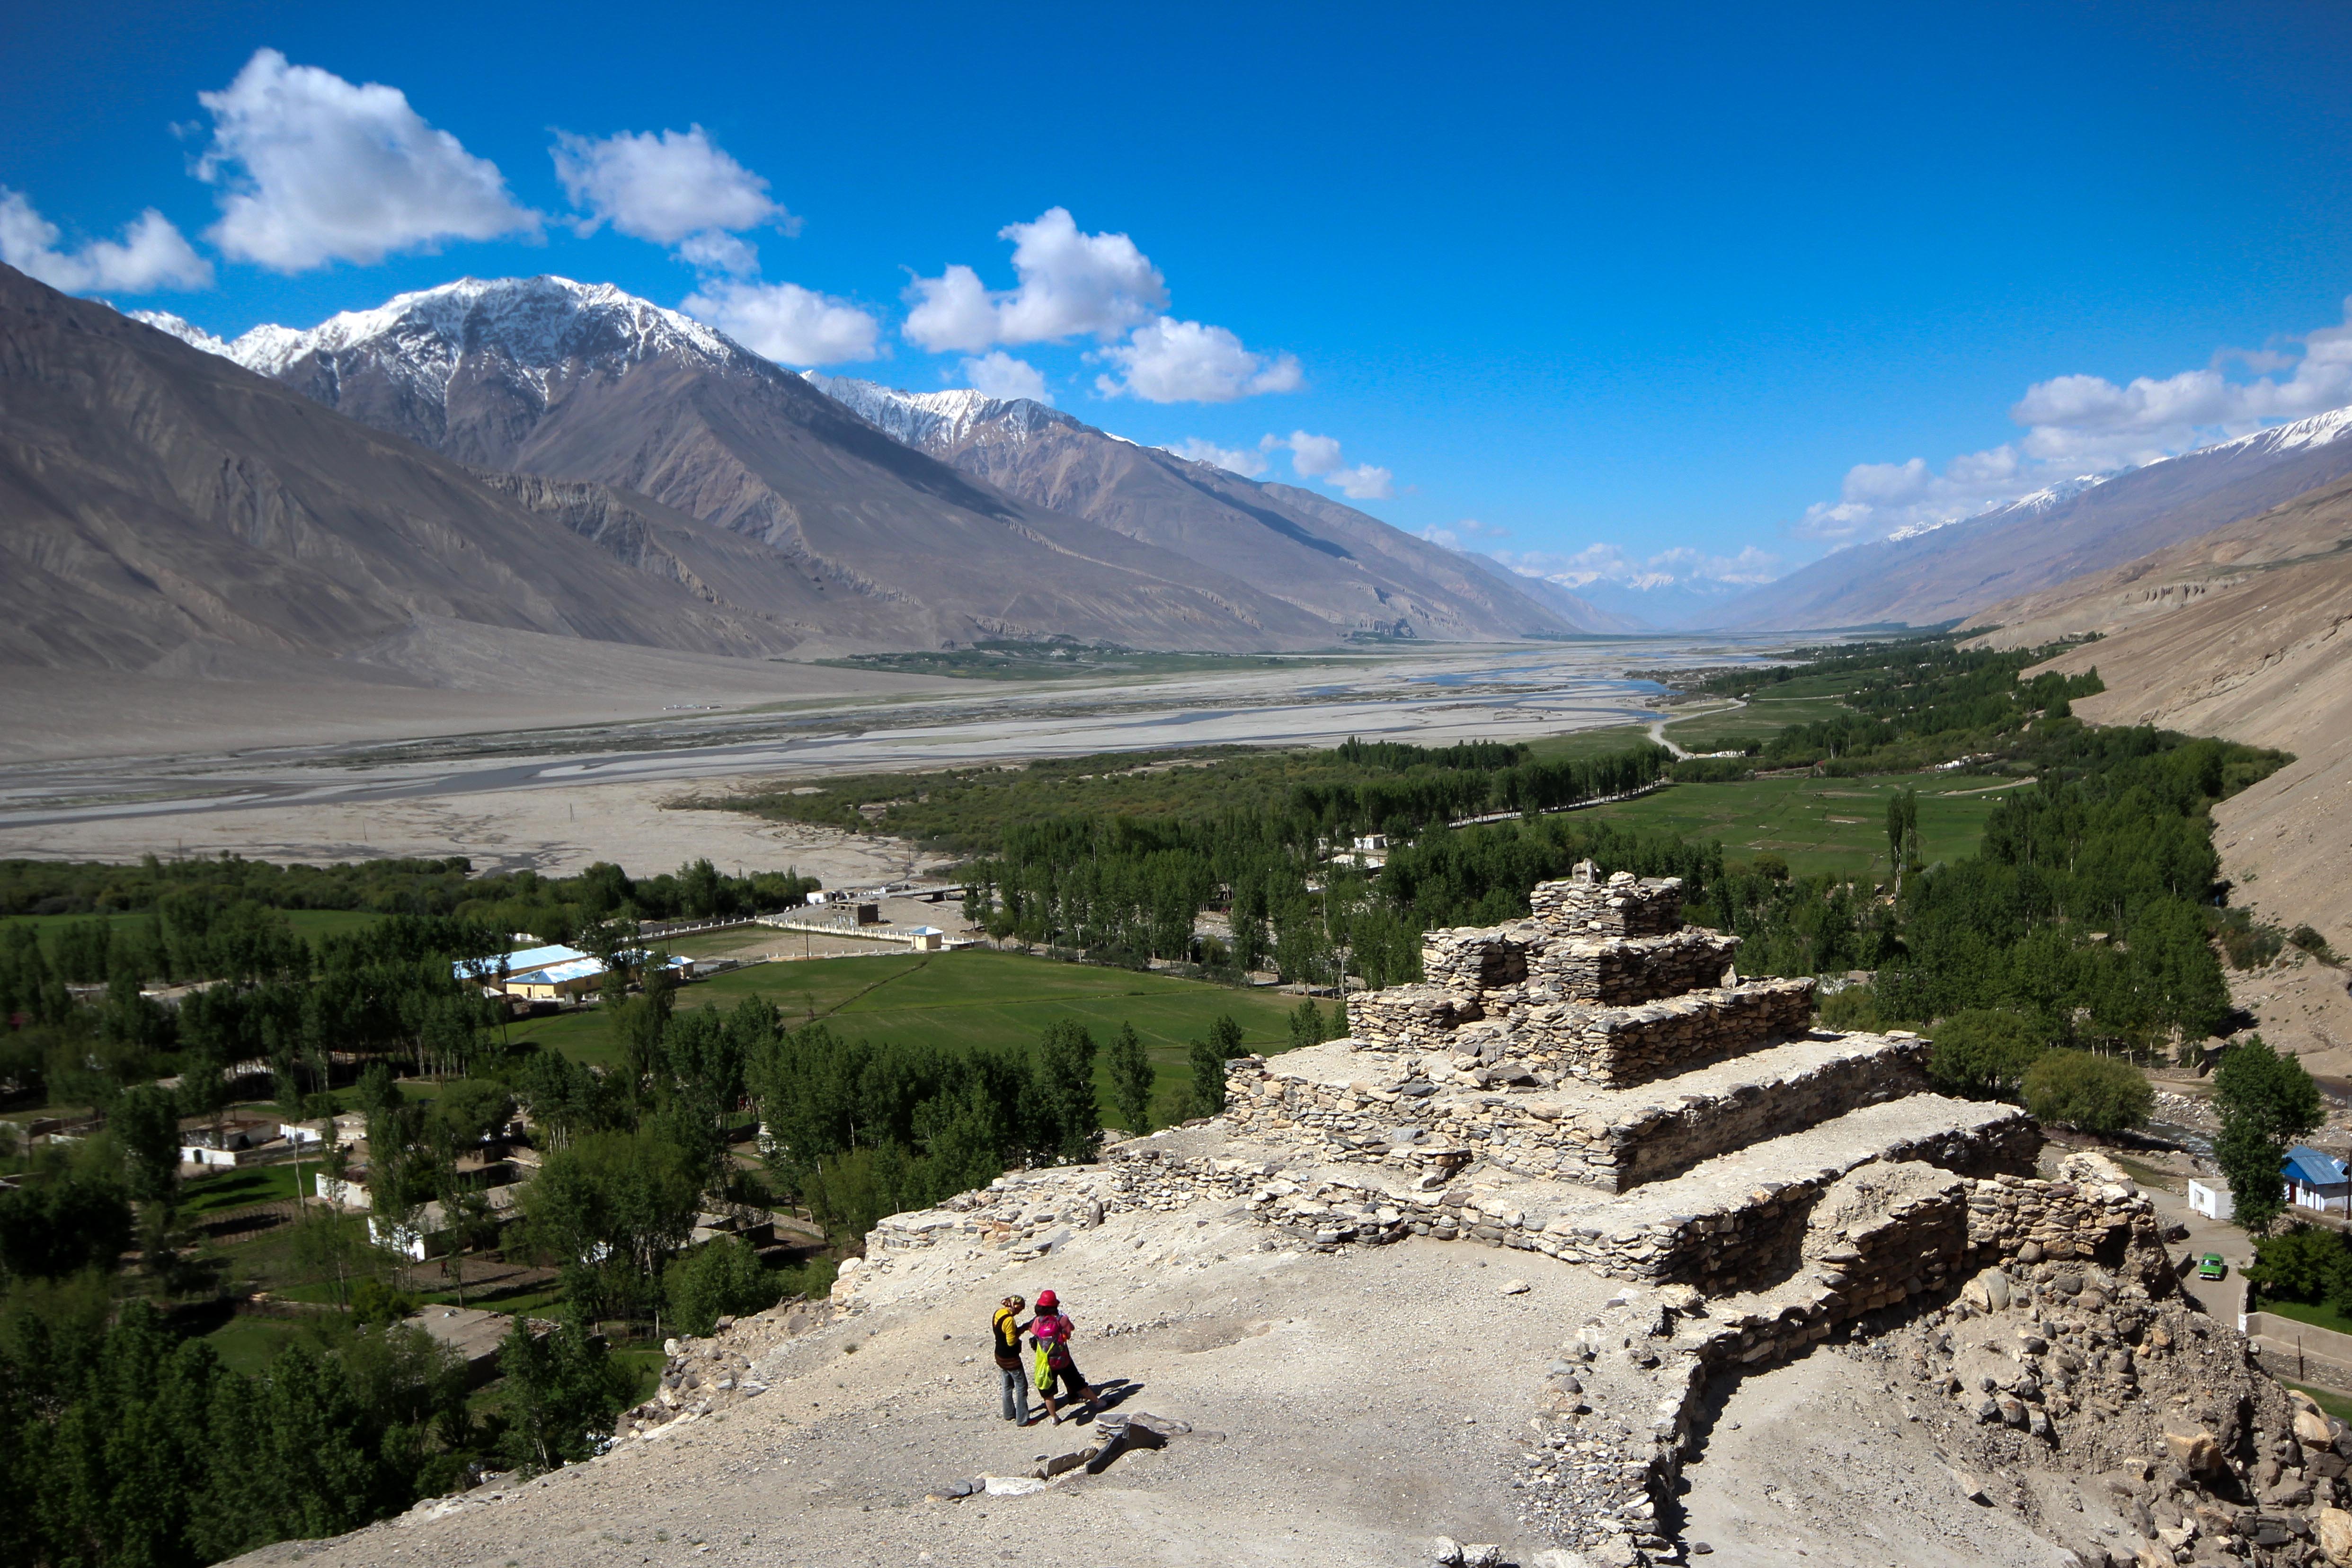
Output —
(307, 923)
(248, 1344)
(2319, 1315)
(969, 998)
(234, 1189)
(1836, 825)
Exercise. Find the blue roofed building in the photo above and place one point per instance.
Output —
(2316, 1181)
(550, 973)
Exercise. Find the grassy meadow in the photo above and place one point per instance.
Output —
(1821, 824)
(972, 998)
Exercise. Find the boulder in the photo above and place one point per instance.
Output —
(2311, 1429)
(1012, 1486)
(1987, 1292)
(1443, 1553)
(2336, 1535)
(2194, 1449)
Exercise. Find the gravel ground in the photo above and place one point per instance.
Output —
(1817, 1460)
(1345, 1408)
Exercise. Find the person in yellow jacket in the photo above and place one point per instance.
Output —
(1011, 1372)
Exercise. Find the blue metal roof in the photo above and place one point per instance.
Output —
(2311, 1169)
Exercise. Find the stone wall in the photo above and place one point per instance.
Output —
(1371, 1123)
(1621, 1047)
(1473, 958)
(1624, 905)
(1622, 971)
(1556, 1040)
(1409, 1017)
(1749, 1237)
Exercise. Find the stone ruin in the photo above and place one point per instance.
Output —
(1598, 1084)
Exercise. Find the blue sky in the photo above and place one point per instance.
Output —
(1685, 297)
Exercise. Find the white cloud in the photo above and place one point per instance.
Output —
(1072, 284)
(1459, 536)
(1249, 463)
(672, 187)
(1168, 361)
(314, 169)
(2078, 426)
(151, 254)
(789, 324)
(999, 374)
(1313, 455)
(1317, 457)
(1680, 567)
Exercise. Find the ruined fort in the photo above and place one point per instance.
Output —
(1654, 1183)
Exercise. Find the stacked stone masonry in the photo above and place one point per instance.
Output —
(1417, 1118)
(1596, 1084)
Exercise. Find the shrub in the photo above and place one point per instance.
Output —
(2245, 942)
(1982, 1053)
(1712, 770)
(2313, 943)
(375, 1304)
(1854, 1007)
(722, 1279)
(2304, 1264)
(2091, 1093)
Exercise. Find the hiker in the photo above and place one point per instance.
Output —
(1051, 1330)
(1011, 1375)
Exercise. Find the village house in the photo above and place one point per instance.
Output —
(550, 973)
(229, 1143)
(2316, 1181)
(427, 1235)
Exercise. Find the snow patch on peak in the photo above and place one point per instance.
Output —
(940, 420)
(540, 325)
(2319, 430)
(183, 329)
(2032, 504)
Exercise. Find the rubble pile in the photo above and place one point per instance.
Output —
(2107, 1375)
(1597, 1085)
(710, 1374)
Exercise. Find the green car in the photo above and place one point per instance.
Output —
(2210, 1266)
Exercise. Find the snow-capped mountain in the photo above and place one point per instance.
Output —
(1332, 560)
(540, 327)
(936, 421)
(1929, 576)
(879, 547)
(2027, 505)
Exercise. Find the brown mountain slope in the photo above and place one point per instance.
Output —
(156, 502)
(2052, 538)
(2309, 528)
(1342, 565)
(583, 382)
(2247, 633)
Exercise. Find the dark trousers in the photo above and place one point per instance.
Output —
(1073, 1382)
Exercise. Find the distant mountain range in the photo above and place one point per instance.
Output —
(2035, 543)
(977, 519)
(165, 510)
(1332, 560)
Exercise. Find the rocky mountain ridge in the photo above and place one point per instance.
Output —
(1958, 571)
(585, 383)
(1328, 559)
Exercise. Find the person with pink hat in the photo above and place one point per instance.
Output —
(1051, 1329)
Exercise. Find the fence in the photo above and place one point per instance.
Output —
(2301, 1352)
